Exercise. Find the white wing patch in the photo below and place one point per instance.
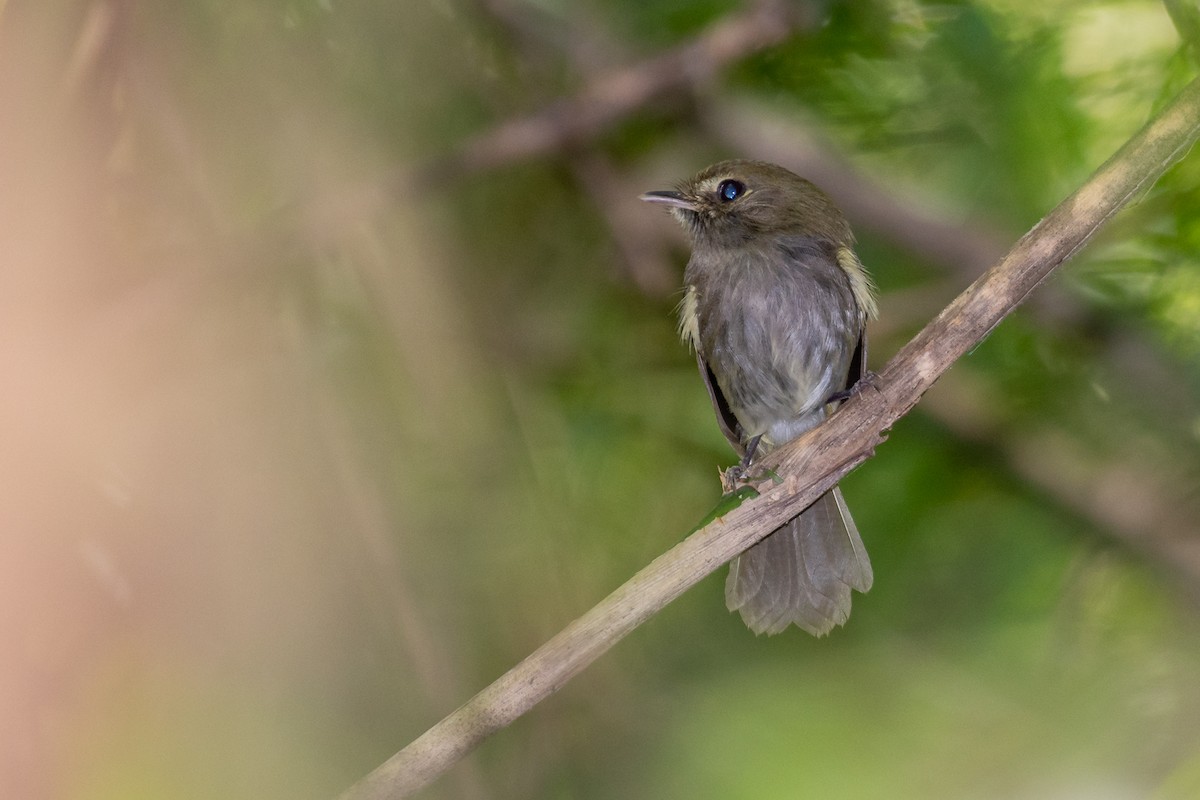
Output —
(689, 320)
(860, 282)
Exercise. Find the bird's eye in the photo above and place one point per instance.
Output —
(730, 190)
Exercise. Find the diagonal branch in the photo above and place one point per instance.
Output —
(812, 464)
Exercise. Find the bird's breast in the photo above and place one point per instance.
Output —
(778, 336)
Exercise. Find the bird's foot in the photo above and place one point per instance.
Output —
(739, 473)
(869, 380)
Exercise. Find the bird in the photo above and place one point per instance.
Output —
(775, 305)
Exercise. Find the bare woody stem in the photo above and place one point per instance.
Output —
(811, 464)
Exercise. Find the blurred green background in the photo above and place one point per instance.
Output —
(340, 373)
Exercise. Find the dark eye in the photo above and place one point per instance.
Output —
(730, 190)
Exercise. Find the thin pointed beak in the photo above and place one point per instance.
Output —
(670, 198)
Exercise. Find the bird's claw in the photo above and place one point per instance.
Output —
(869, 380)
(739, 473)
(732, 478)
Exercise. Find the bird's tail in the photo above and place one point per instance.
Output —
(803, 572)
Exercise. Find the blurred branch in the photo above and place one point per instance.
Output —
(823, 455)
(1185, 14)
(539, 35)
(609, 97)
(1132, 498)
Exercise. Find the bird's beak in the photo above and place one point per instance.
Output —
(670, 198)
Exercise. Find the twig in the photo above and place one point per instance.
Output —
(823, 455)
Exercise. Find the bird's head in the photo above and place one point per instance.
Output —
(733, 203)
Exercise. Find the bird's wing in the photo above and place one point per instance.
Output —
(858, 361)
(726, 421)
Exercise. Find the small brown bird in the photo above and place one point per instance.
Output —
(775, 305)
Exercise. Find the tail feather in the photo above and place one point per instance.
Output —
(802, 573)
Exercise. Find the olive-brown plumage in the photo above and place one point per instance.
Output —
(775, 304)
